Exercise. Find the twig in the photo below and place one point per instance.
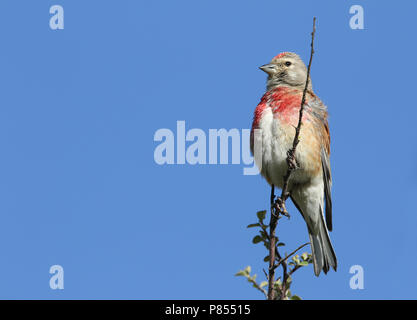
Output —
(266, 275)
(292, 253)
(257, 286)
(284, 278)
(292, 164)
(278, 206)
(294, 269)
(272, 248)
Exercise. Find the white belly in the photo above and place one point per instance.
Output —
(276, 139)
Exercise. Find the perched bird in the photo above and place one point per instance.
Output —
(273, 130)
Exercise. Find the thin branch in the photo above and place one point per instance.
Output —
(292, 253)
(298, 266)
(278, 205)
(272, 248)
(266, 275)
(284, 280)
(257, 286)
(292, 164)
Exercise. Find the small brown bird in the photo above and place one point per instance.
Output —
(273, 129)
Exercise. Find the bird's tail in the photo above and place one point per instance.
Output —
(322, 249)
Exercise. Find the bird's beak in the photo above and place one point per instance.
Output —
(268, 68)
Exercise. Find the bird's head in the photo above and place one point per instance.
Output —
(286, 69)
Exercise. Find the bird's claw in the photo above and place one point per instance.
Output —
(291, 161)
(279, 207)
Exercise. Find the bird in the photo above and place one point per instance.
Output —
(273, 129)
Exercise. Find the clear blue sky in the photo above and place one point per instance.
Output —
(79, 107)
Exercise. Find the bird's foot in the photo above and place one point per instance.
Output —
(291, 161)
(279, 207)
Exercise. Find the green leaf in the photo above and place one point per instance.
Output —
(280, 244)
(257, 239)
(295, 297)
(253, 225)
(303, 263)
(241, 273)
(266, 259)
(296, 259)
(261, 215)
(277, 284)
(248, 269)
(263, 284)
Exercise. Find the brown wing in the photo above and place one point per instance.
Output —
(327, 175)
(319, 111)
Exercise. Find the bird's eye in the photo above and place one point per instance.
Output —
(287, 63)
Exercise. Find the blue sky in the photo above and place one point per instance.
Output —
(79, 186)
